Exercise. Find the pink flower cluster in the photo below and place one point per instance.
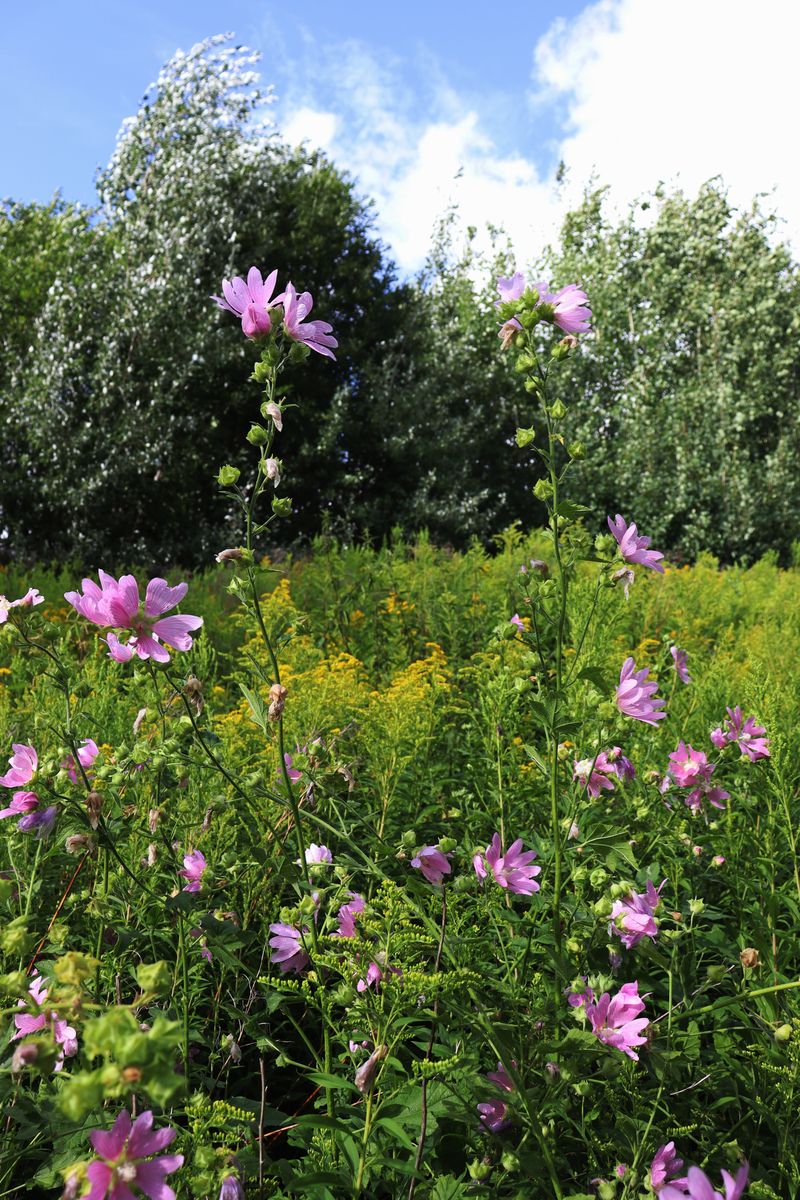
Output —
(697, 1185)
(634, 917)
(26, 1023)
(24, 804)
(743, 732)
(254, 303)
(194, 866)
(29, 600)
(115, 604)
(598, 774)
(636, 696)
(494, 1113)
(615, 1020)
(691, 769)
(125, 1156)
(511, 870)
(570, 304)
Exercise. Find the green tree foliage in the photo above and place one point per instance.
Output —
(688, 395)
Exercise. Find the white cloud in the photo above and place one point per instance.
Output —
(641, 91)
(679, 91)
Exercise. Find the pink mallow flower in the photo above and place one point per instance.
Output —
(697, 1186)
(690, 768)
(665, 1168)
(29, 600)
(518, 621)
(493, 1113)
(126, 1157)
(314, 334)
(433, 864)
(510, 287)
(740, 731)
(679, 661)
(373, 977)
(633, 547)
(636, 697)
(634, 917)
(511, 870)
(23, 763)
(115, 604)
(616, 1021)
(347, 916)
(21, 804)
(26, 1023)
(194, 865)
(287, 947)
(595, 774)
(318, 855)
(571, 309)
(250, 300)
(87, 753)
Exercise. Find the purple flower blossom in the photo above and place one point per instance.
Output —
(365, 1075)
(64, 1035)
(698, 1186)
(30, 599)
(374, 976)
(23, 763)
(633, 548)
(665, 1168)
(194, 864)
(616, 1021)
(679, 660)
(41, 819)
(318, 855)
(115, 604)
(87, 753)
(511, 870)
(740, 731)
(125, 1157)
(571, 309)
(21, 804)
(287, 947)
(518, 621)
(291, 770)
(493, 1113)
(433, 864)
(250, 301)
(594, 774)
(347, 916)
(314, 334)
(231, 1189)
(687, 766)
(635, 695)
(510, 287)
(634, 917)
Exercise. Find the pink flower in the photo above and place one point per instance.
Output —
(508, 331)
(23, 763)
(317, 855)
(314, 334)
(698, 1186)
(511, 287)
(374, 976)
(194, 864)
(518, 621)
(633, 547)
(87, 753)
(41, 819)
(688, 766)
(115, 604)
(433, 864)
(64, 1035)
(572, 312)
(291, 770)
(21, 804)
(125, 1157)
(679, 658)
(593, 774)
(634, 917)
(287, 947)
(616, 1021)
(718, 860)
(493, 1113)
(347, 916)
(231, 1189)
(30, 599)
(511, 870)
(623, 766)
(635, 695)
(745, 733)
(706, 791)
(665, 1167)
(250, 301)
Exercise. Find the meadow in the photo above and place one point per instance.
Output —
(397, 876)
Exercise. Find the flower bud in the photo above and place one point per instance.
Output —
(696, 907)
(524, 437)
(576, 450)
(78, 843)
(558, 410)
(479, 1169)
(365, 1075)
(749, 958)
(543, 489)
(154, 978)
(257, 435)
(228, 475)
(282, 506)
(783, 1033)
(228, 556)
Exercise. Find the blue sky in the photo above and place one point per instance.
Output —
(428, 103)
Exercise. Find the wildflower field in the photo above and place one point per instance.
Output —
(395, 872)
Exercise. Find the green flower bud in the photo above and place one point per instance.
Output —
(524, 437)
(558, 410)
(447, 845)
(228, 475)
(257, 435)
(15, 939)
(282, 506)
(598, 877)
(715, 974)
(607, 1190)
(696, 907)
(510, 1161)
(602, 907)
(15, 983)
(525, 362)
(262, 371)
(479, 1169)
(75, 968)
(783, 1033)
(543, 489)
(576, 450)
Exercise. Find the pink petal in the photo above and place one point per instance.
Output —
(175, 630)
(161, 597)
